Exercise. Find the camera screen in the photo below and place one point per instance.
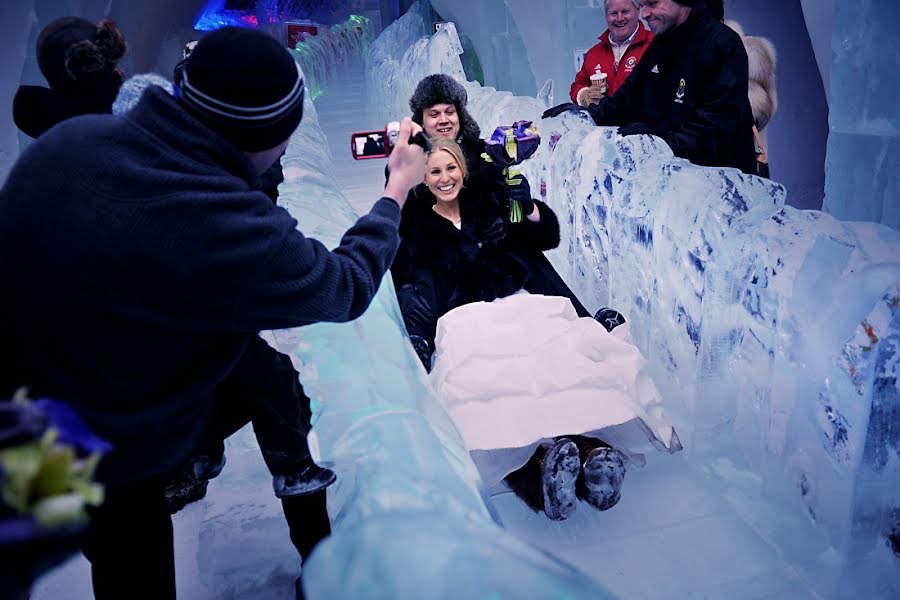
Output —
(369, 145)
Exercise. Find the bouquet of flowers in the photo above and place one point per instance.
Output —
(507, 147)
(48, 457)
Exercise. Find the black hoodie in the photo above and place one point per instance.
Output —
(36, 108)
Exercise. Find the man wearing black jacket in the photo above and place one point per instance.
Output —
(141, 261)
(690, 89)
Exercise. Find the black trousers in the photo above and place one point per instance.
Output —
(129, 541)
(263, 389)
(422, 303)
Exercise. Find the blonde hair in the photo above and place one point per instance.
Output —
(452, 148)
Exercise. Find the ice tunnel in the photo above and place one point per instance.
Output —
(772, 333)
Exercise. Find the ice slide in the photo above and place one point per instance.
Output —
(773, 334)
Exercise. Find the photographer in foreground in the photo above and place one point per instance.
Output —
(145, 261)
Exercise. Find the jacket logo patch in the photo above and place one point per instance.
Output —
(629, 64)
(679, 95)
(655, 69)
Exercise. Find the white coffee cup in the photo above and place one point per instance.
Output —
(598, 79)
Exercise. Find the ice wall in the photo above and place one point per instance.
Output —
(520, 41)
(862, 181)
(330, 12)
(19, 16)
(323, 56)
(386, 74)
(409, 518)
(406, 52)
(819, 16)
(773, 331)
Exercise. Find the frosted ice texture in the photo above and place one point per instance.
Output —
(862, 173)
(321, 57)
(409, 517)
(407, 51)
(389, 82)
(273, 11)
(764, 322)
(325, 55)
(774, 332)
(18, 20)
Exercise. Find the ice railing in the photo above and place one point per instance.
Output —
(774, 333)
(323, 56)
(326, 55)
(409, 518)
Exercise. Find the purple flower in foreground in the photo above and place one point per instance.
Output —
(72, 428)
(20, 423)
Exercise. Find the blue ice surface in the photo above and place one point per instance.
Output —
(772, 331)
(773, 334)
(324, 56)
(409, 515)
(862, 174)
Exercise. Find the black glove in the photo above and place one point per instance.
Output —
(560, 109)
(418, 314)
(635, 129)
(423, 350)
(520, 192)
(489, 236)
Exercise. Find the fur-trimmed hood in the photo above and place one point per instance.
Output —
(762, 58)
(443, 89)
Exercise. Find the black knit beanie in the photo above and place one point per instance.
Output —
(245, 86)
(79, 58)
(443, 89)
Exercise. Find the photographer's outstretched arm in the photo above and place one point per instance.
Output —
(407, 164)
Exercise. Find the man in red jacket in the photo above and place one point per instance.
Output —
(617, 54)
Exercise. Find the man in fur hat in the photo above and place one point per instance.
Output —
(438, 104)
(690, 89)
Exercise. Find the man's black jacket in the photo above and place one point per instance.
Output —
(690, 88)
(139, 260)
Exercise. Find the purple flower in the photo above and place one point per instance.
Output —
(72, 428)
(526, 142)
(20, 423)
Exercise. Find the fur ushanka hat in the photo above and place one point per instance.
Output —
(443, 89)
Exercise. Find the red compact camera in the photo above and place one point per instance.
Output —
(375, 144)
(378, 144)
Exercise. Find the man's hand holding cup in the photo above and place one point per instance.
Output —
(595, 92)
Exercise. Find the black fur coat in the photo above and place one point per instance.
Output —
(487, 258)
